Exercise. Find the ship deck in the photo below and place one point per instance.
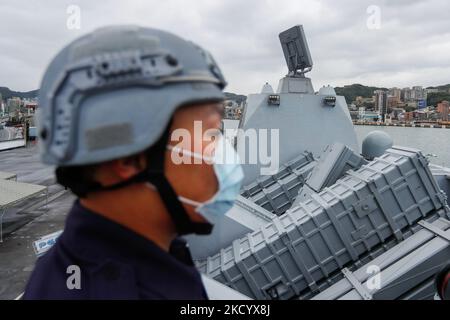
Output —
(29, 221)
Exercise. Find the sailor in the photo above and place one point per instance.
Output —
(114, 105)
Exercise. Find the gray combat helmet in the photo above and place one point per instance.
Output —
(111, 93)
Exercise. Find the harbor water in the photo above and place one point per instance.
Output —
(433, 142)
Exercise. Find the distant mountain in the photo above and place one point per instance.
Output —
(444, 87)
(7, 93)
(235, 97)
(350, 92)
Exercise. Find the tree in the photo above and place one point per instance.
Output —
(409, 108)
(434, 98)
(350, 92)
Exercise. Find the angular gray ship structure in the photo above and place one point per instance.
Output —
(331, 223)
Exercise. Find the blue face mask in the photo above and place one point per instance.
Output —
(229, 174)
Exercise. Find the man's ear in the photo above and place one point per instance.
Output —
(127, 167)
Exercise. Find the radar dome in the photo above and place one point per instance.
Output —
(375, 144)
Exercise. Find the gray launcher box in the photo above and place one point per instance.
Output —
(298, 251)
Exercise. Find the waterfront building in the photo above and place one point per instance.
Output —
(396, 112)
(392, 101)
(13, 104)
(381, 102)
(443, 110)
(396, 92)
(418, 93)
(30, 107)
(406, 94)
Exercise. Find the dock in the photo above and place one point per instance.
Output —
(402, 125)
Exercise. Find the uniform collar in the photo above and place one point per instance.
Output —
(92, 236)
(94, 240)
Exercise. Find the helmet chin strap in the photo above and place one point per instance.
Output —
(154, 174)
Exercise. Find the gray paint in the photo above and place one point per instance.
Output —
(403, 268)
(304, 124)
(380, 202)
(244, 217)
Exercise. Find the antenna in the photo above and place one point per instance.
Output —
(296, 51)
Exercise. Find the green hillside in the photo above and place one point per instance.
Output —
(7, 93)
(350, 92)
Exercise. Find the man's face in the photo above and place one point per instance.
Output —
(194, 128)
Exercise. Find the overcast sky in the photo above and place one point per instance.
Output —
(410, 46)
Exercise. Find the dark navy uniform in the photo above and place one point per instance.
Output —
(114, 263)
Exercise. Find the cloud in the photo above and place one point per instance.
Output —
(411, 47)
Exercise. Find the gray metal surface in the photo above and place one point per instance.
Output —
(294, 85)
(244, 217)
(300, 250)
(295, 49)
(303, 124)
(217, 291)
(442, 176)
(302, 120)
(375, 144)
(277, 193)
(406, 270)
(334, 162)
(8, 176)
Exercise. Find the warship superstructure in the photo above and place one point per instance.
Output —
(336, 220)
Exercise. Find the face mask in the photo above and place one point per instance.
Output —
(229, 174)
